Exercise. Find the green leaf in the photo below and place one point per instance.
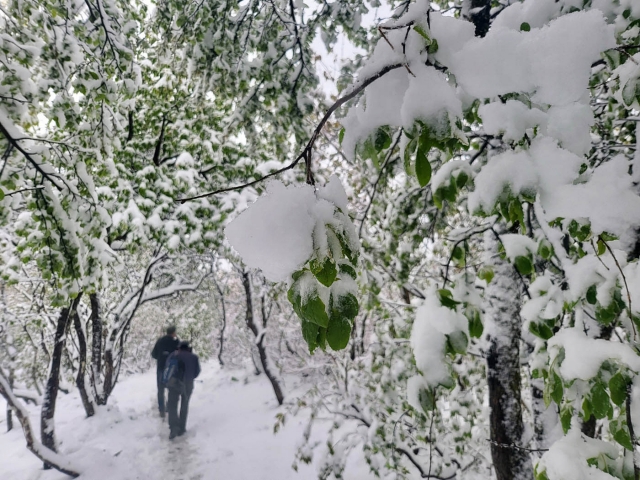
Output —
(457, 253)
(475, 325)
(566, 414)
(341, 136)
(446, 299)
(326, 272)
(586, 409)
(348, 269)
(541, 330)
(545, 250)
(433, 48)
(525, 27)
(516, 214)
(423, 168)
(408, 152)
(557, 389)
(181, 20)
(1, 194)
(457, 342)
(427, 399)
(382, 140)
(523, 265)
(608, 237)
(618, 389)
(600, 401)
(592, 293)
(313, 310)
(461, 180)
(621, 436)
(423, 33)
(607, 315)
(612, 58)
(450, 192)
(602, 247)
(310, 334)
(629, 91)
(344, 306)
(321, 340)
(297, 274)
(486, 273)
(338, 332)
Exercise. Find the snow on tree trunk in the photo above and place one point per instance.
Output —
(87, 402)
(47, 455)
(96, 344)
(47, 427)
(260, 334)
(224, 321)
(502, 309)
(480, 15)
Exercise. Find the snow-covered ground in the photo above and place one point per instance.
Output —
(230, 435)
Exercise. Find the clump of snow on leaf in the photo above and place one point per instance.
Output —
(428, 341)
(278, 232)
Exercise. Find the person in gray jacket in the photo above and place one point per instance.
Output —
(188, 371)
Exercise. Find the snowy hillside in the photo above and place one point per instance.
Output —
(230, 435)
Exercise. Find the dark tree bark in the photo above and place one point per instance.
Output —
(260, 335)
(224, 322)
(502, 308)
(47, 428)
(9, 414)
(480, 15)
(87, 402)
(96, 334)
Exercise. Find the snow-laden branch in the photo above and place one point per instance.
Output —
(57, 461)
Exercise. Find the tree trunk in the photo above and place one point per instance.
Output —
(96, 337)
(260, 334)
(48, 456)
(224, 322)
(9, 414)
(47, 428)
(502, 310)
(108, 373)
(82, 367)
(481, 16)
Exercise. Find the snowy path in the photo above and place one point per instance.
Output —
(230, 436)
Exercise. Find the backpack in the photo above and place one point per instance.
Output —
(173, 375)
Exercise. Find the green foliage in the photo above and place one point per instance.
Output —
(618, 388)
(423, 168)
(524, 265)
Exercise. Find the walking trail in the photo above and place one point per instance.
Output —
(229, 435)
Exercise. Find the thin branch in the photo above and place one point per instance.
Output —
(375, 185)
(415, 463)
(626, 286)
(632, 435)
(306, 153)
(27, 155)
(516, 447)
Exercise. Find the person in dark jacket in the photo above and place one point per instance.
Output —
(189, 370)
(164, 347)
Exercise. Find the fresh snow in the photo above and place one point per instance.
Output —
(230, 435)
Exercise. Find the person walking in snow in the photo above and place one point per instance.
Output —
(189, 369)
(164, 347)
